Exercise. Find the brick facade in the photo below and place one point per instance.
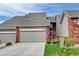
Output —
(73, 29)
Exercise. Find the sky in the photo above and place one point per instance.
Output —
(20, 9)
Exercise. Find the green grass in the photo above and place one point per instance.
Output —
(55, 50)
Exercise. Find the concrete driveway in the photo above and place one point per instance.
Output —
(24, 49)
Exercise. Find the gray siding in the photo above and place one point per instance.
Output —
(58, 26)
(64, 26)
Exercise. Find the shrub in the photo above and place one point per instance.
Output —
(48, 42)
(8, 44)
(69, 42)
(56, 42)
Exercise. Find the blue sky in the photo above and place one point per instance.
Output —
(9, 10)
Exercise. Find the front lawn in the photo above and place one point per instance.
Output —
(55, 50)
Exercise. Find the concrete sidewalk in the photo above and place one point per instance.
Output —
(24, 49)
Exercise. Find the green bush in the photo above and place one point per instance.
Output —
(68, 42)
(8, 44)
(48, 42)
(56, 42)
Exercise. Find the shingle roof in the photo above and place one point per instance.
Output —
(32, 19)
(72, 13)
(52, 18)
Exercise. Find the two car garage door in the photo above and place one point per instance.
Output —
(32, 35)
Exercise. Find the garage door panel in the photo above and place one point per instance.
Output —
(7, 37)
(32, 36)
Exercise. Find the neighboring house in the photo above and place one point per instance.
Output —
(29, 28)
(67, 25)
(70, 25)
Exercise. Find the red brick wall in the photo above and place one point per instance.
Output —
(73, 29)
(50, 34)
(53, 34)
(17, 34)
(48, 38)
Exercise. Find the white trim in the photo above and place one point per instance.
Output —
(7, 32)
(41, 29)
(78, 21)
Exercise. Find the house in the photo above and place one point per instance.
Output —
(70, 25)
(66, 25)
(33, 27)
(37, 27)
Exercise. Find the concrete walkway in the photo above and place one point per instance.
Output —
(24, 49)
